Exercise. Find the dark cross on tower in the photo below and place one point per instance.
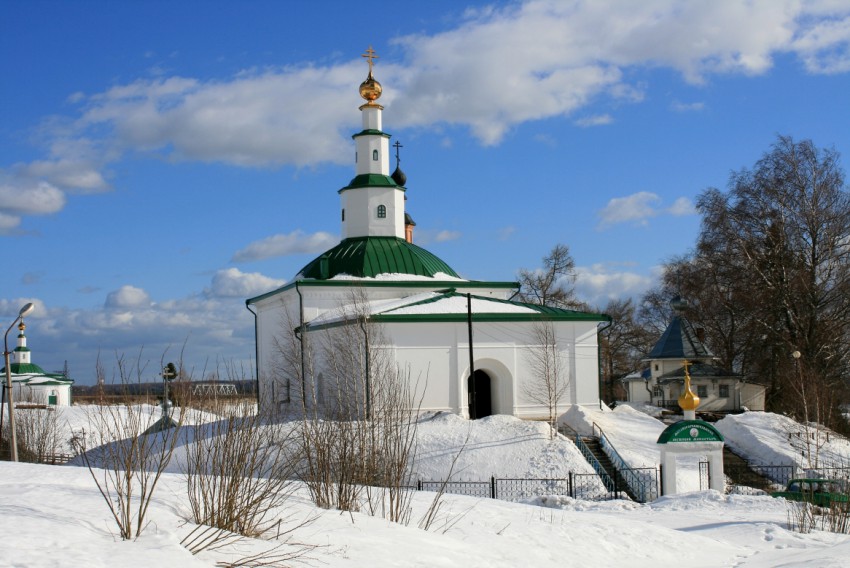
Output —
(370, 56)
(397, 145)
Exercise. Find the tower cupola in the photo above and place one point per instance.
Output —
(373, 202)
(21, 354)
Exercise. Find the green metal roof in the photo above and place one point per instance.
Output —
(367, 257)
(371, 132)
(24, 369)
(371, 180)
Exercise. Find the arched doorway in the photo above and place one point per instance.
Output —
(478, 393)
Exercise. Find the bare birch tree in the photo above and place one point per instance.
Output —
(549, 380)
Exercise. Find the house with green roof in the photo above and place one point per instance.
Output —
(466, 346)
(30, 383)
(679, 349)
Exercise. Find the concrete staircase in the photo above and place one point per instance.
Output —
(739, 472)
(606, 470)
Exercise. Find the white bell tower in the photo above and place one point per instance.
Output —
(372, 203)
(21, 354)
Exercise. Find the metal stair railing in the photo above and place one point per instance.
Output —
(609, 483)
(636, 484)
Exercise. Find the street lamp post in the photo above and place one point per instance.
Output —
(13, 438)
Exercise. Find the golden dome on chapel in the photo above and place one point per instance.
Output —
(689, 400)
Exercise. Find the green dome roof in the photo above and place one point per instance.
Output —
(367, 257)
(24, 369)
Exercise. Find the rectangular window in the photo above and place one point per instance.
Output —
(658, 392)
(702, 391)
(724, 391)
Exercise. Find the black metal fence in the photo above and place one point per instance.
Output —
(585, 486)
(757, 479)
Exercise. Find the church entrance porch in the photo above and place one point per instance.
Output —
(479, 396)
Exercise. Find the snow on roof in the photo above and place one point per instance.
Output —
(458, 304)
(37, 379)
(400, 277)
(422, 304)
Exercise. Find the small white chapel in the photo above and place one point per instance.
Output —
(31, 385)
(467, 345)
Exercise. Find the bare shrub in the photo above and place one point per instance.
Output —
(358, 430)
(238, 472)
(39, 439)
(124, 461)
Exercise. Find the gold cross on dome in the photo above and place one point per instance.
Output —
(370, 56)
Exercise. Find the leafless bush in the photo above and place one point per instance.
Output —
(37, 429)
(358, 430)
(124, 460)
(238, 472)
(802, 516)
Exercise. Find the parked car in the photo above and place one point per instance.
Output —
(821, 492)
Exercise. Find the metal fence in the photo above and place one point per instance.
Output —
(585, 486)
(757, 479)
(642, 483)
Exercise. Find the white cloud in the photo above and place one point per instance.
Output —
(210, 327)
(638, 208)
(427, 236)
(597, 120)
(8, 222)
(232, 283)
(81, 176)
(598, 283)
(127, 297)
(446, 235)
(681, 207)
(506, 232)
(38, 198)
(295, 242)
(495, 69)
(679, 106)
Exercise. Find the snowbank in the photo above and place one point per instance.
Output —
(501, 446)
(772, 439)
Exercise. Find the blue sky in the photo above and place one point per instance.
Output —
(162, 161)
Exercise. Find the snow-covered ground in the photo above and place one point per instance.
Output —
(55, 516)
(767, 438)
(633, 434)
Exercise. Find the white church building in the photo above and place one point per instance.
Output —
(30, 383)
(467, 346)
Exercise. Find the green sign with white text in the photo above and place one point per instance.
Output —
(690, 431)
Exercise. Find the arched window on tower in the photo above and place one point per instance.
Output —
(374, 155)
(382, 211)
(343, 215)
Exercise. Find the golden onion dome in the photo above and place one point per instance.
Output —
(689, 400)
(370, 89)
